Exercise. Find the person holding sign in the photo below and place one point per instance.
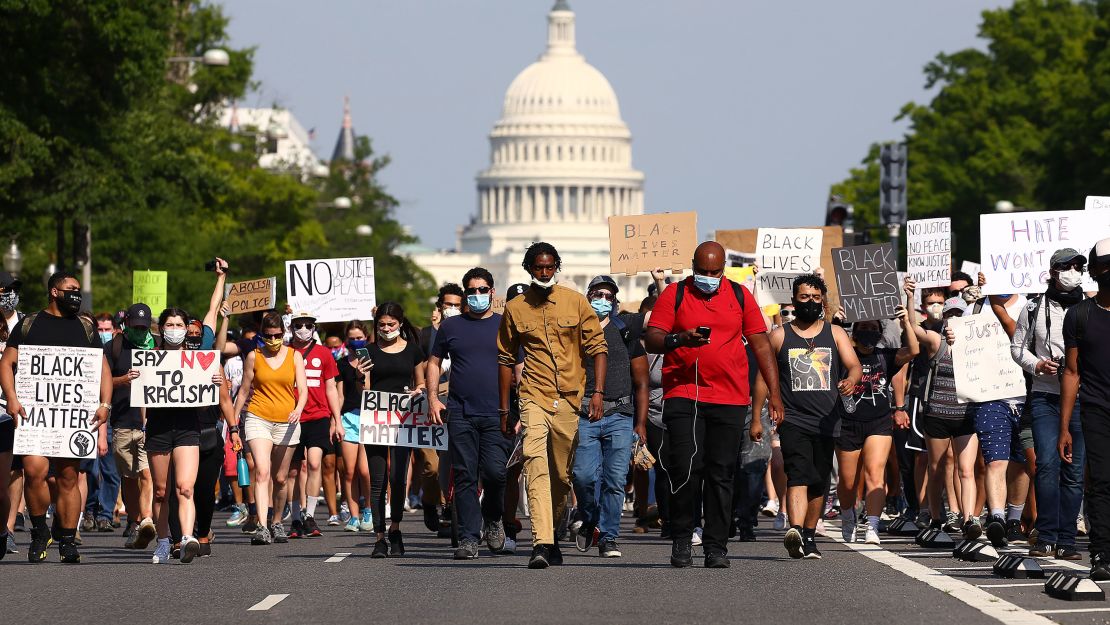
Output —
(57, 325)
(354, 378)
(278, 391)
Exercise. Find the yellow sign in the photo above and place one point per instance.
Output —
(149, 287)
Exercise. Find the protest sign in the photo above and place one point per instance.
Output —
(644, 242)
(398, 420)
(1096, 202)
(149, 287)
(174, 378)
(1015, 248)
(332, 289)
(59, 388)
(868, 281)
(783, 254)
(251, 295)
(735, 258)
(744, 241)
(970, 268)
(742, 275)
(981, 360)
(929, 251)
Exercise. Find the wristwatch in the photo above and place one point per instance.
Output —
(107, 407)
(899, 409)
(233, 429)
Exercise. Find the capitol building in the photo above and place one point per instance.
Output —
(560, 166)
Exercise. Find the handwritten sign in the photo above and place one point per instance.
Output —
(981, 360)
(782, 255)
(178, 378)
(251, 295)
(1096, 202)
(746, 241)
(59, 388)
(1016, 247)
(398, 420)
(149, 287)
(868, 281)
(643, 242)
(929, 251)
(333, 289)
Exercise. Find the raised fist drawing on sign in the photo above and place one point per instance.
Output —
(80, 443)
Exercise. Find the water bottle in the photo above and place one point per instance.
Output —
(244, 472)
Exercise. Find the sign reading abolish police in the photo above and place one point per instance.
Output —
(867, 280)
(332, 289)
(782, 255)
(398, 420)
(59, 388)
(644, 242)
(984, 369)
(251, 295)
(174, 379)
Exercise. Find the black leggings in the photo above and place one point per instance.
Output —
(377, 457)
(204, 498)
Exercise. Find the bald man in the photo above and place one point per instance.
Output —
(701, 324)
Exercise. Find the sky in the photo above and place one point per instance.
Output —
(743, 111)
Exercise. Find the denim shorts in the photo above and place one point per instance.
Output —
(999, 430)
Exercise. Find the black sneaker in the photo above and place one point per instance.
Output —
(608, 549)
(431, 518)
(1100, 567)
(468, 550)
(540, 557)
(1067, 552)
(104, 526)
(681, 554)
(396, 545)
(810, 550)
(381, 549)
(1040, 550)
(555, 554)
(40, 542)
(996, 532)
(665, 532)
(5, 540)
(296, 530)
(794, 543)
(717, 561)
(584, 538)
(68, 552)
(973, 529)
(495, 536)
(1013, 532)
(250, 526)
(745, 534)
(311, 529)
(206, 550)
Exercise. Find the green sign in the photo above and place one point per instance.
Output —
(149, 287)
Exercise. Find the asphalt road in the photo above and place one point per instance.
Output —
(899, 583)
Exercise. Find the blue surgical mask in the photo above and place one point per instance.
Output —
(707, 284)
(106, 337)
(602, 307)
(479, 302)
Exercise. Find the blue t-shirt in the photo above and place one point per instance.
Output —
(472, 345)
(207, 338)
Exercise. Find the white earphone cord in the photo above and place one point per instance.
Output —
(693, 436)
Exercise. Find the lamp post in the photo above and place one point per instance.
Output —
(364, 230)
(216, 57)
(13, 259)
(340, 203)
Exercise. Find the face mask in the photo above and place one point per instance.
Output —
(478, 302)
(173, 336)
(1103, 280)
(69, 302)
(787, 315)
(867, 338)
(808, 312)
(105, 337)
(971, 294)
(192, 342)
(602, 307)
(935, 311)
(389, 336)
(706, 284)
(1068, 280)
(548, 285)
(303, 334)
(272, 345)
(338, 352)
(451, 312)
(354, 344)
(139, 337)
(9, 301)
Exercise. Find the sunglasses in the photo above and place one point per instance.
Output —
(603, 295)
(301, 325)
(1076, 265)
(273, 336)
(474, 290)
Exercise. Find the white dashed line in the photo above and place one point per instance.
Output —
(339, 557)
(1073, 610)
(267, 603)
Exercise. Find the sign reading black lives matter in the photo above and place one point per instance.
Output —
(398, 420)
(867, 279)
(332, 289)
(179, 378)
(59, 388)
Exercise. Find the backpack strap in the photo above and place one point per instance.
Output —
(1033, 313)
(736, 290)
(978, 308)
(27, 322)
(90, 328)
(1081, 317)
(117, 347)
(678, 295)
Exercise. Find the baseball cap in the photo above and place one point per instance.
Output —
(8, 281)
(1100, 253)
(954, 303)
(1064, 255)
(605, 280)
(303, 315)
(138, 316)
(514, 290)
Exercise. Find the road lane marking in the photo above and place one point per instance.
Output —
(267, 603)
(1072, 610)
(339, 557)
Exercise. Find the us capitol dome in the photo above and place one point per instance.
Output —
(560, 166)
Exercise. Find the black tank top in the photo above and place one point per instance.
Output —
(809, 370)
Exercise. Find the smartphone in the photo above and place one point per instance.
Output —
(211, 266)
(703, 331)
(362, 354)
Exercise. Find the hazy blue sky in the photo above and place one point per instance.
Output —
(744, 111)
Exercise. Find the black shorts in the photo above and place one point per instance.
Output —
(948, 428)
(854, 433)
(314, 434)
(807, 457)
(7, 435)
(164, 433)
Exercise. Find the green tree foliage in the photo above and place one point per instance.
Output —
(1025, 120)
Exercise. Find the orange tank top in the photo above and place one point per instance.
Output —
(273, 397)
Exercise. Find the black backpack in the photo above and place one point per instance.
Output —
(736, 289)
(29, 320)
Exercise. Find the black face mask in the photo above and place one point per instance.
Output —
(70, 302)
(808, 312)
(192, 342)
(867, 338)
(1103, 280)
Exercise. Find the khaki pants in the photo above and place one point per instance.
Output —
(550, 437)
(427, 470)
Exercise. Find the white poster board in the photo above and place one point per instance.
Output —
(1016, 247)
(929, 251)
(782, 255)
(1096, 202)
(179, 378)
(59, 389)
(984, 369)
(332, 289)
(398, 420)
(971, 269)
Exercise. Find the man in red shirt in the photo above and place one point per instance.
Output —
(320, 421)
(701, 324)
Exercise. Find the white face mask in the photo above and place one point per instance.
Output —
(389, 336)
(303, 334)
(451, 311)
(935, 311)
(544, 285)
(1069, 280)
(174, 336)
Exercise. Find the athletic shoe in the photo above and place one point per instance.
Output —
(495, 536)
(996, 532)
(973, 529)
(145, 533)
(288, 512)
(585, 537)
(238, 517)
(20, 524)
(396, 545)
(771, 508)
(820, 530)
(88, 524)
(333, 521)
(745, 534)
(952, 522)
(9, 546)
(539, 559)
(681, 554)
(1100, 567)
(1013, 532)
(781, 522)
(161, 553)
(1040, 550)
(871, 537)
(261, 536)
(793, 543)
(104, 526)
(296, 530)
(277, 531)
(810, 550)
(665, 532)
(311, 529)
(352, 525)
(381, 549)
(40, 542)
(67, 550)
(1067, 552)
(206, 550)
(431, 518)
(848, 525)
(555, 554)
(189, 550)
(251, 525)
(366, 521)
(509, 548)
(468, 550)
(1081, 525)
(716, 561)
(608, 549)
(129, 535)
(695, 538)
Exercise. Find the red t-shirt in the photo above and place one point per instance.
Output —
(319, 367)
(722, 366)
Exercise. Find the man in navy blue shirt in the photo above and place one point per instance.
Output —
(475, 442)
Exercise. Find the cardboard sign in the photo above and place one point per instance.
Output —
(59, 388)
(251, 295)
(332, 289)
(981, 360)
(868, 281)
(745, 241)
(398, 420)
(782, 255)
(1096, 202)
(1016, 247)
(174, 378)
(734, 258)
(929, 251)
(643, 242)
(149, 287)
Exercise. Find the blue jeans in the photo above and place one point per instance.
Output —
(103, 481)
(478, 449)
(603, 453)
(1059, 484)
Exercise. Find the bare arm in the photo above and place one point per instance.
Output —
(768, 371)
(436, 407)
(641, 391)
(998, 305)
(848, 360)
(217, 294)
(246, 385)
(1069, 391)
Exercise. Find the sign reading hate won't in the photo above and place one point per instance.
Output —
(398, 420)
(867, 279)
(332, 289)
(251, 295)
(1016, 248)
(174, 378)
(782, 255)
(59, 389)
(644, 242)
(984, 369)
(929, 251)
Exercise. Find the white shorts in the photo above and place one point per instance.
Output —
(255, 426)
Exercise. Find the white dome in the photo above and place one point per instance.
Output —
(560, 85)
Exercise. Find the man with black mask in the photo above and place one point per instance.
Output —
(57, 325)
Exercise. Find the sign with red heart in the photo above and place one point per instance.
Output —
(175, 378)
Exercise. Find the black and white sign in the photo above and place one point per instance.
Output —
(59, 389)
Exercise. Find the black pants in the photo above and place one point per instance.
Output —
(907, 460)
(1096, 436)
(703, 441)
(377, 457)
(204, 497)
(477, 449)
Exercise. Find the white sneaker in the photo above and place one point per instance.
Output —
(771, 509)
(190, 548)
(695, 538)
(333, 520)
(162, 552)
(781, 522)
(871, 537)
(821, 528)
(848, 525)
